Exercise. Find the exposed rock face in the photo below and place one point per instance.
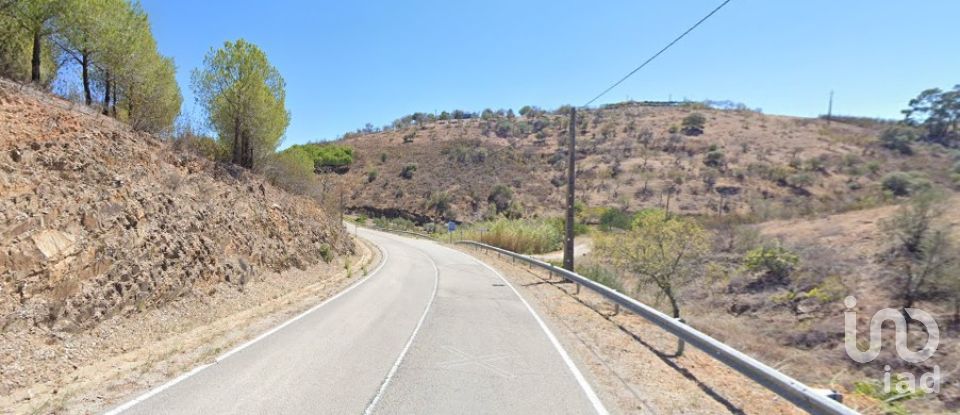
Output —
(97, 220)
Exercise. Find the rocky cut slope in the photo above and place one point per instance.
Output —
(98, 220)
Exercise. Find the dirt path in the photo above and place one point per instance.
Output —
(581, 246)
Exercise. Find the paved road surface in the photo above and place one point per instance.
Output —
(431, 331)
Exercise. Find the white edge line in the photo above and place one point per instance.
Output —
(194, 371)
(591, 395)
(406, 348)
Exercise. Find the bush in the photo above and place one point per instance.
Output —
(601, 275)
(714, 158)
(372, 175)
(693, 124)
(408, 170)
(501, 197)
(440, 203)
(776, 262)
(899, 138)
(615, 218)
(800, 180)
(504, 129)
(205, 147)
(519, 235)
(903, 183)
(408, 138)
(314, 156)
(325, 253)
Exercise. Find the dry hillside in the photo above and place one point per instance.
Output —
(99, 221)
(629, 156)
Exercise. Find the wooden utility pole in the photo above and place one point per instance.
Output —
(571, 179)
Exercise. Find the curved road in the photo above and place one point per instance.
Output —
(432, 330)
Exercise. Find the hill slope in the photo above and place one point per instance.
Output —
(629, 156)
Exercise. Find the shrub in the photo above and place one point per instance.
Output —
(504, 128)
(440, 203)
(325, 253)
(714, 158)
(601, 275)
(890, 399)
(206, 147)
(315, 156)
(408, 170)
(383, 158)
(774, 262)
(899, 138)
(693, 124)
(408, 138)
(519, 235)
(501, 197)
(615, 218)
(903, 183)
(800, 180)
(372, 175)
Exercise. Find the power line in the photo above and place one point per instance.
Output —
(658, 53)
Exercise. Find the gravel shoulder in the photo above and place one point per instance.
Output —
(628, 360)
(123, 357)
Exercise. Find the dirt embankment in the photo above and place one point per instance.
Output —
(98, 221)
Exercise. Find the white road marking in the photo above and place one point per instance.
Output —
(194, 371)
(591, 395)
(406, 348)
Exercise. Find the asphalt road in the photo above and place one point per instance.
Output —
(432, 331)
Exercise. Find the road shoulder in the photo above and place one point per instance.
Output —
(628, 360)
(135, 354)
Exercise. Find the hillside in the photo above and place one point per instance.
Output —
(629, 156)
(98, 221)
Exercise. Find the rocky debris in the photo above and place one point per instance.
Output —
(97, 220)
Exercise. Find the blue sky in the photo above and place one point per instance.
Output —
(347, 63)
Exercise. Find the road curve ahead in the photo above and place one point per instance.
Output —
(432, 331)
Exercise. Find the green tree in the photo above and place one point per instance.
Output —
(86, 29)
(244, 97)
(36, 18)
(938, 112)
(659, 249)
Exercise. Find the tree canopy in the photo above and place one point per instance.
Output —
(938, 112)
(660, 249)
(244, 99)
(111, 45)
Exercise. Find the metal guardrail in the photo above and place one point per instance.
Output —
(803, 396)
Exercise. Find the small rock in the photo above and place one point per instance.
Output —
(53, 243)
(16, 155)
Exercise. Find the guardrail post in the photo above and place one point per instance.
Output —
(616, 309)
(577, 292)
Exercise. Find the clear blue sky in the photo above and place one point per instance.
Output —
(347, 63)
